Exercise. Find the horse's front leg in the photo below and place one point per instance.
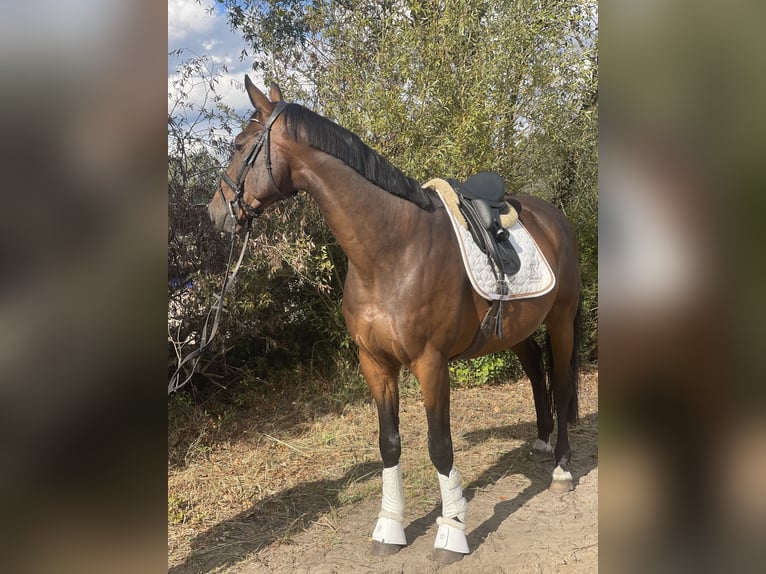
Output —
(382, 378)
(451, 543)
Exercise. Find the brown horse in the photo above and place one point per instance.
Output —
(407, 300)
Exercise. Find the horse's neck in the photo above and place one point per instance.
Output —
(367, 221)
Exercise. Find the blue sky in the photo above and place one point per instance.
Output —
(200, 31)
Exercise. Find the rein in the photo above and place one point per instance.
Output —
(206, 339)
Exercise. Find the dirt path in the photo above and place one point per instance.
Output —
(515, 524)
(547, 533)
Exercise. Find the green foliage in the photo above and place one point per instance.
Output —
(497, 368)
(178, 509)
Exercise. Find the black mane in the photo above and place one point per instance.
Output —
(301, 124)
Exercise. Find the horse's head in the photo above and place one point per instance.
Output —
(258, 175)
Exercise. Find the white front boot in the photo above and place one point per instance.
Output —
(451, 534)
(390, 526)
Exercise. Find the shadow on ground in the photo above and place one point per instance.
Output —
(270, 519)
(520, 461)
(293, 510)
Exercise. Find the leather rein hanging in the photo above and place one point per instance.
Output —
(238, 187)
(207, 337)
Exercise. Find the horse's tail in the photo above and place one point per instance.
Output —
(574, 368)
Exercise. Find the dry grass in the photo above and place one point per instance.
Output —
(259, 471)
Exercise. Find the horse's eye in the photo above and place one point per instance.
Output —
(238, 147)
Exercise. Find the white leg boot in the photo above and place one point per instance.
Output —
(390, 526)
(451, 534)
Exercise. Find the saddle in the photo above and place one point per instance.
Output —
(482, 203)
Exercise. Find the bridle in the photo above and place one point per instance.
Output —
(206, 337)
(238, 187)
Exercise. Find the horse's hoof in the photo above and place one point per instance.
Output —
(562, 481)
(444, 556)
(383, 549)
(561, 486)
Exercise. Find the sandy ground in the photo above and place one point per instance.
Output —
(515, 524)
(532, 531)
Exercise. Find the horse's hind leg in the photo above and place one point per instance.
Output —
(562, 342)
(531, 358)
(382, 379)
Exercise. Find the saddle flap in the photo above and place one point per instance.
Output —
(484, 226)
(487, 211)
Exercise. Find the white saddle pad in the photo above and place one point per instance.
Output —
(533, 279)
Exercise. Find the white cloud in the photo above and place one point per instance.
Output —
(210, 44)
(186, 16)
(198, 32)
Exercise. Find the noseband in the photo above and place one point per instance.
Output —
(239, 186)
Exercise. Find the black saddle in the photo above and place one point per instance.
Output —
(484, 185)
(482, 203)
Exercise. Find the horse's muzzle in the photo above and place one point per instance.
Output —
(220, 216)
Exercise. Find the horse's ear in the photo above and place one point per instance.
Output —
(275, 94)
(257, 98)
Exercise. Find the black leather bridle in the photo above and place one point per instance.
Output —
(238, 187)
